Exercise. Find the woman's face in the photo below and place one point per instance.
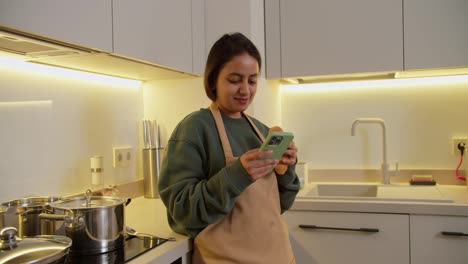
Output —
(236, 85)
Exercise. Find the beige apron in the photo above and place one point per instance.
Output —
(254, 231)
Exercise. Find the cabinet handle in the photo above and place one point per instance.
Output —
(448, 233)
(363, 229)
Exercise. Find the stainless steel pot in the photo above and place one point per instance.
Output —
(23, 214)
(34, 250)
(94, 223)
(2, 216)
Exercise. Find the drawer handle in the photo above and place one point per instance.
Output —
(448, 233)
(363, 229)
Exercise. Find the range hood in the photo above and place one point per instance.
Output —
(38, 49)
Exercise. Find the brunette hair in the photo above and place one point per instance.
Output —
(222, 51)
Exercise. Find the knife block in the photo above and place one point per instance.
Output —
(151, 166)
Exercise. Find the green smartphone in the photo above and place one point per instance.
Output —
(278, 142)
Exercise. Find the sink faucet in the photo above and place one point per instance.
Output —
(386, 172)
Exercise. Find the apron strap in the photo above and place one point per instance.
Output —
(259, 134)
(222, 131)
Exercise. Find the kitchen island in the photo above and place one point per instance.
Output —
(149, 216)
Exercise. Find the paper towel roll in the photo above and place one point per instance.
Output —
(96, 170)
(96, 162)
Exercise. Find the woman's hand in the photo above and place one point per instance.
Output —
(290, 155)
(255, 166)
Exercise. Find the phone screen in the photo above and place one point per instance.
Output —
(278, 142)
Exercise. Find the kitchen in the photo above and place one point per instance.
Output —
(55, 124)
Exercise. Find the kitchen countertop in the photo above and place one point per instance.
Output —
(457, 193)
(149, 216)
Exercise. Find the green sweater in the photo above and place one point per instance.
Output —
(195, 184)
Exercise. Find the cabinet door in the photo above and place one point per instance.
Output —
(435, 33)
(389, 245)
(156, 31)
(320, 37)
(430, 246)
(85, 22)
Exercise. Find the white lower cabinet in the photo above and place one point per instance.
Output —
(351, 238)
(439, 239)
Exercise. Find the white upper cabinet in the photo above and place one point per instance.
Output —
(219, 22)
(321, 37)
(86, 22)
(436, 33)
(156, 31)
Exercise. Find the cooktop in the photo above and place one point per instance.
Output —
(133, 247)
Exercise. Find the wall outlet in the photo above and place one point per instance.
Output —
(455, 142)
(122, 156)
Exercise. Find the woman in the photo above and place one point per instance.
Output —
(230, 206)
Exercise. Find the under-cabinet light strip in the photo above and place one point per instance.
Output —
(24, 103)
(390, 83)
(70, 73)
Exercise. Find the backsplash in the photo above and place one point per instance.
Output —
(51, 125)
(421, 115)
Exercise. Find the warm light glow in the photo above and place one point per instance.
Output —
(23, 103)
(431, 73)
(69, 73)
(392, 84)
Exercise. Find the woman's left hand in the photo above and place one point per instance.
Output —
(290, 156)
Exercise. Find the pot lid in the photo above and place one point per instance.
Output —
(31, 250)
(31, 201)
(88, 202)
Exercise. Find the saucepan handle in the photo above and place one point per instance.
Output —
(53, 216)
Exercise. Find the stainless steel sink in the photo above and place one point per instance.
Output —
(373, 192)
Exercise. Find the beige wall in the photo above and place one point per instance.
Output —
(51, 125)
(421, 117)
(57, 124)
(168, 101)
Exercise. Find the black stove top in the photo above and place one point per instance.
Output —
(133, 247)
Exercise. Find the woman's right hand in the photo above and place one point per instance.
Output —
(255, 166)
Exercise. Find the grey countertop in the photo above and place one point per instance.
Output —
(454, 202)
(149, 216)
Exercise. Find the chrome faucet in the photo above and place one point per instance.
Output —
(386, 172)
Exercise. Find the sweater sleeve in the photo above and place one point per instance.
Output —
(193, 199)
(288, 186)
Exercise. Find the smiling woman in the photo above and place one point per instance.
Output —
(213, 168)
(69, 73)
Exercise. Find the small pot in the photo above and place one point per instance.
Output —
(23, 214)
(94, 223)
(32, 250)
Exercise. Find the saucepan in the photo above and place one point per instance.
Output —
(95, 224)
(23, 214)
